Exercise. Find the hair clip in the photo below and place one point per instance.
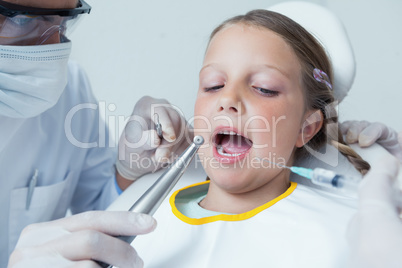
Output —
(322, 77)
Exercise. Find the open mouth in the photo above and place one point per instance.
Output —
(231, 144)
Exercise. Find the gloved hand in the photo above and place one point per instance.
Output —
(140, 149)
(375, 232)
(366, 134)
(78, 240)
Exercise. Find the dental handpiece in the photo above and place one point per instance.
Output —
(150, 201)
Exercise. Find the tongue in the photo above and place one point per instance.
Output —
(235, 144)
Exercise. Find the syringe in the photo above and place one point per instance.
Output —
(324, 177)
(330, 179)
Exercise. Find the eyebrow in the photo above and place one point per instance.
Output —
(206, 66)
(264, 65)
(277, 69)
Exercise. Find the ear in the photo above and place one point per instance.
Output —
(313, 121)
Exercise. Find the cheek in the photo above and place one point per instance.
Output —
(198, 105)
(277, 126)
(287, 127)
(202, 123)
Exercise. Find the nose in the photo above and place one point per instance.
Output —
(230, 101)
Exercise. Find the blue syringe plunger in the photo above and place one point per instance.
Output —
(330, 178)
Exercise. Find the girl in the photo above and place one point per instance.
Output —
(264, 94)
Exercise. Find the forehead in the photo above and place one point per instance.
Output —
(253, 35)
(251, 45)
(56, 4)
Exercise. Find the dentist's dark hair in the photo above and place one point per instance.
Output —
(318, 96)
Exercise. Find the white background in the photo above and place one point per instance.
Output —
(134, 48)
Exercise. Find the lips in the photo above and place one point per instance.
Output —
(230, 146)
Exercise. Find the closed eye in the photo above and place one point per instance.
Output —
(267, 92)
(213, 88)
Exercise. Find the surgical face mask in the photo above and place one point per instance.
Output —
(32, 78)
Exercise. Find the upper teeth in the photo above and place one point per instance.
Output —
(229, 133)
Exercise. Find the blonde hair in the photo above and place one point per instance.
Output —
(318, 96)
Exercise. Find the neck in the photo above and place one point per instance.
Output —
(218, 199)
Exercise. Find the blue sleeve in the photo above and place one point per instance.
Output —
(96, 188)
(118, 189)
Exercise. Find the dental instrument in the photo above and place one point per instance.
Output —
(158, 126)
(330, 179)
(149, 202)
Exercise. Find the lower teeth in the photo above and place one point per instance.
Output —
(220, 151)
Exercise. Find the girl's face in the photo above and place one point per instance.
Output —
(250, 106)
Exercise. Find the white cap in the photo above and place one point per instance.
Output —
(330, 32)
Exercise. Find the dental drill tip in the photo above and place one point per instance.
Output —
(198, 140)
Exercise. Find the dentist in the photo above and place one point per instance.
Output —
(53, 155)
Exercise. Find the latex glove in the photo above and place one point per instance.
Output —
(375, 232)
(77, 240)
(366, 133)
(141, 151)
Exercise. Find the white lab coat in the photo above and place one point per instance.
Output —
(69, 176)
